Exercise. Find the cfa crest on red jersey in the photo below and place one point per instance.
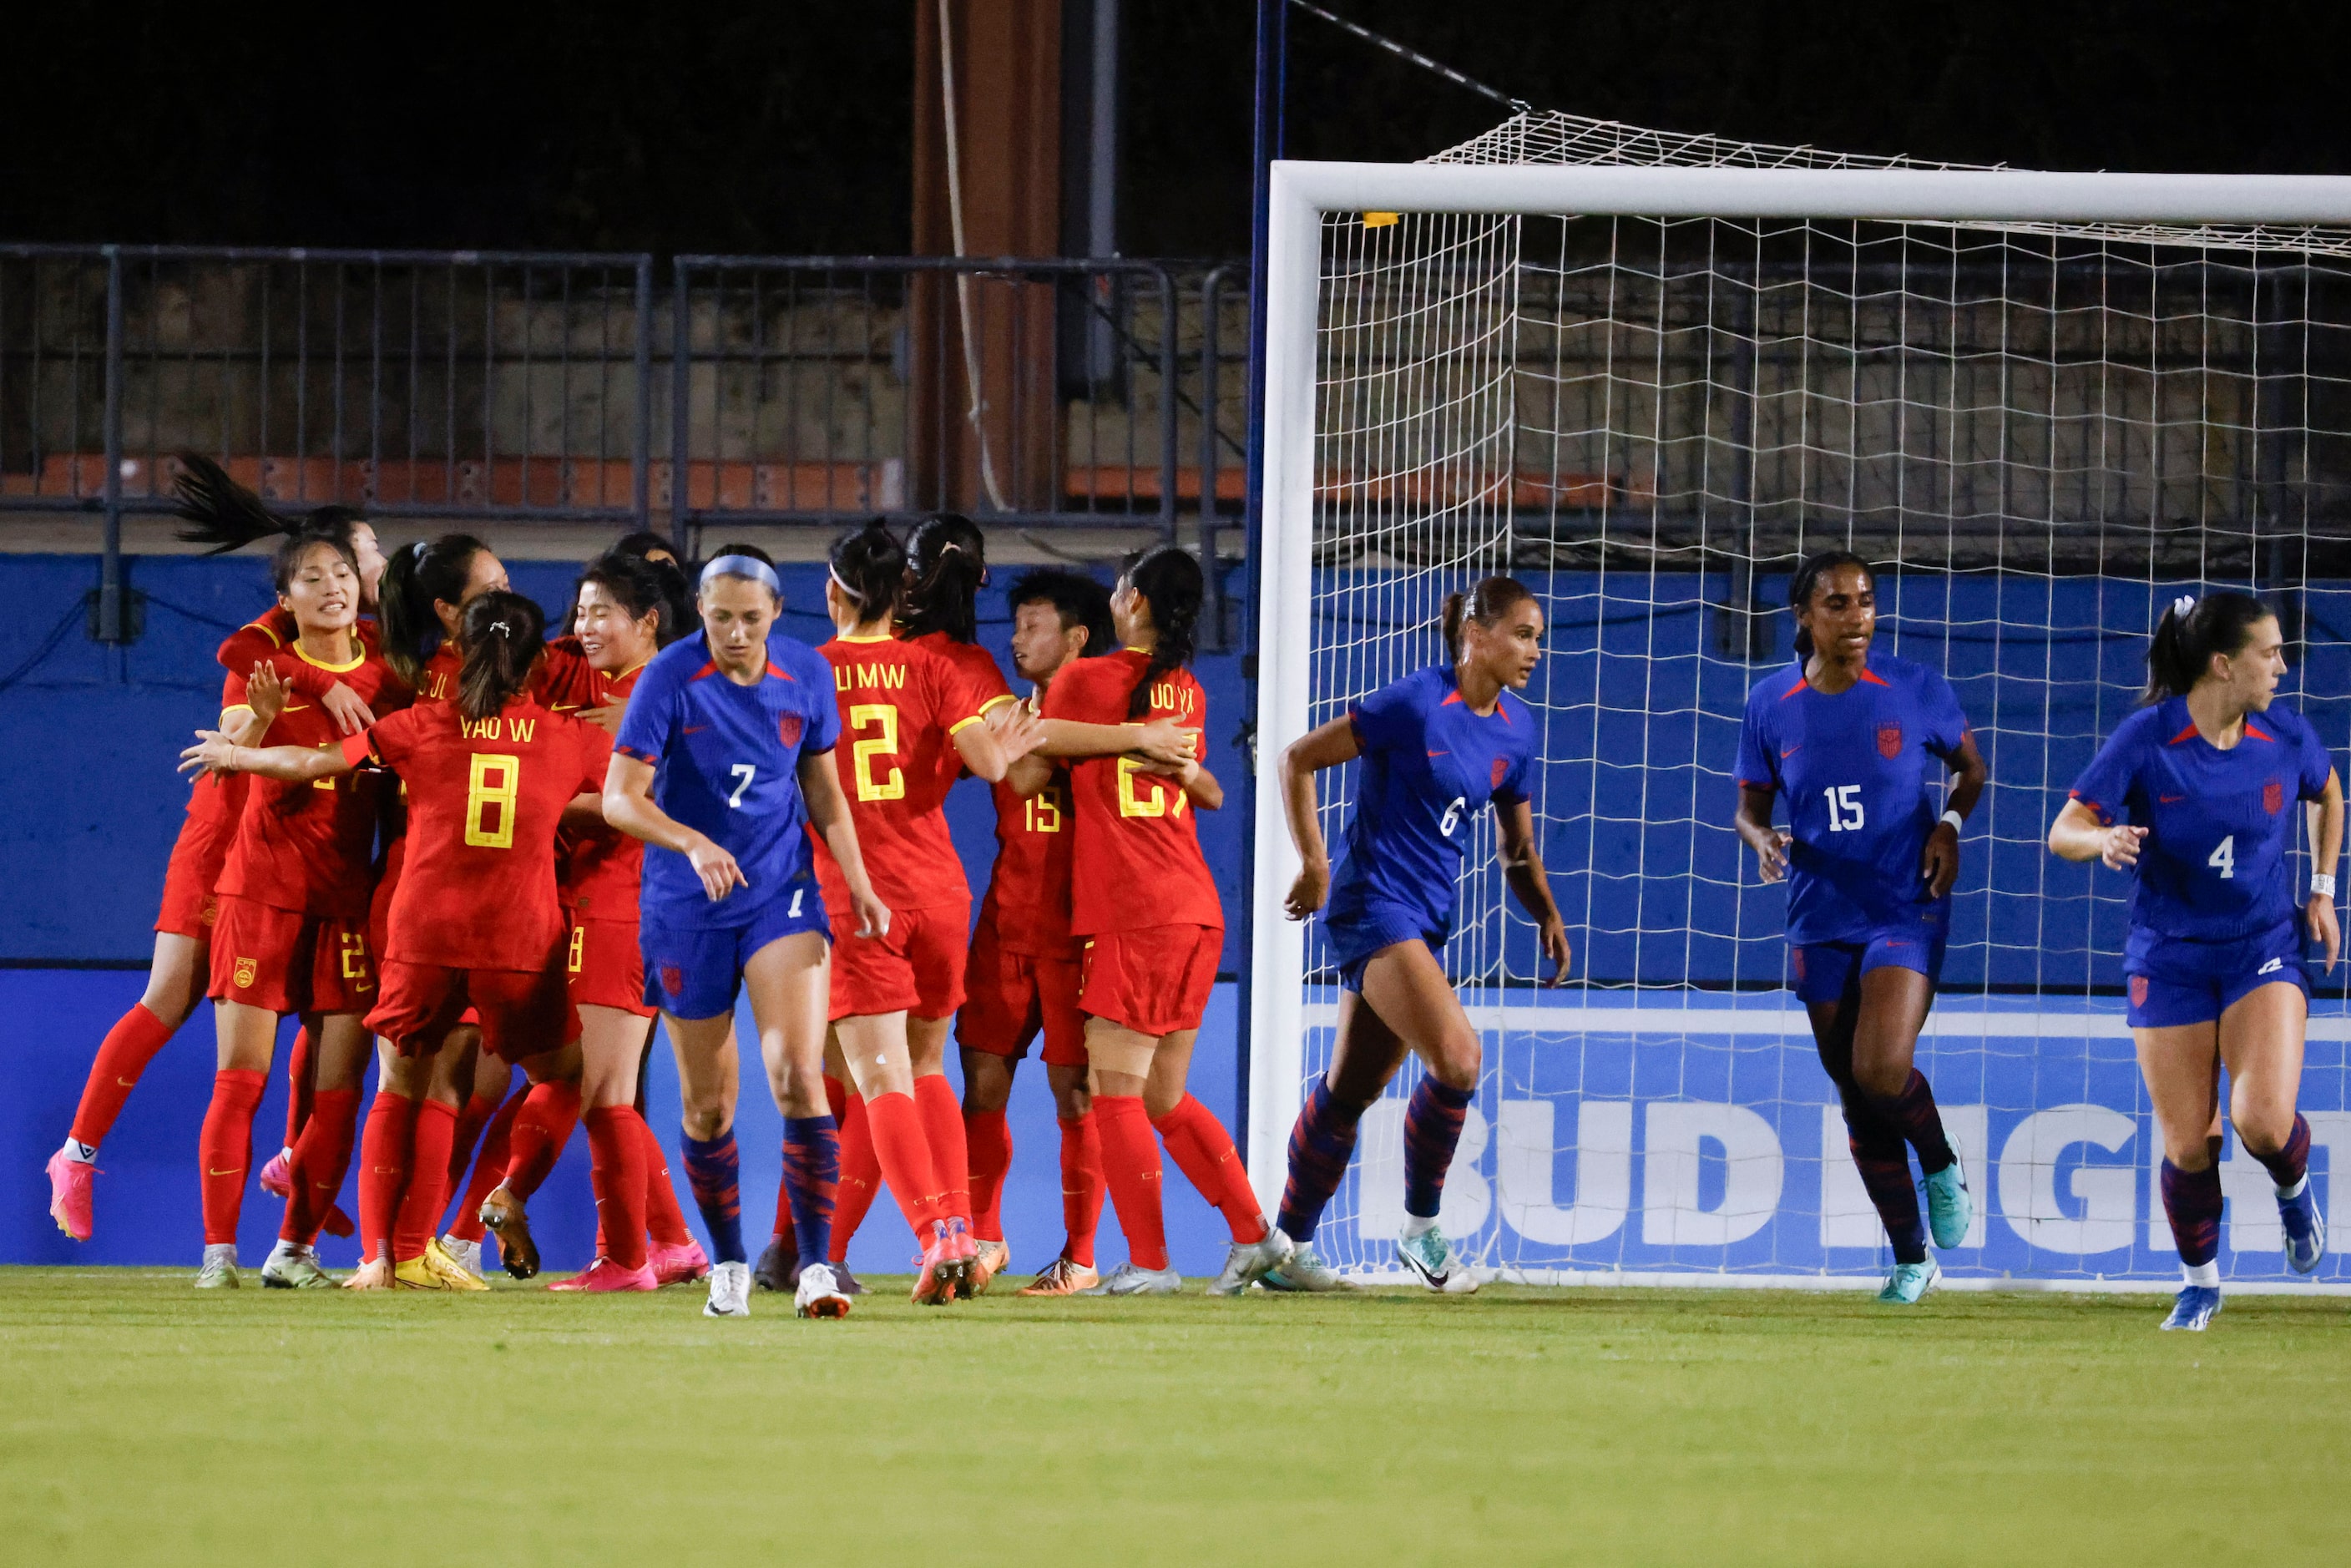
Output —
(2273, 797)
(788, 729)
(1501, 767)
(1889, 739)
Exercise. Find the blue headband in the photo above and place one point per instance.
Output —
(748, 566)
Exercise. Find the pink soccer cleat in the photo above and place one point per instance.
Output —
(70, 1195)
(945, 1266)
(278, 1175)
(677, 1265)
(606, 1275)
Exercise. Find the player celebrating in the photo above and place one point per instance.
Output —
(1024, 970)
(907, 711)
(1869, 863)
(724, 752)
(1147, 909)
(2189, 795)
(1437, 746)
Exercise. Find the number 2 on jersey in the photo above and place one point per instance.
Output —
(885, 717)
(2224, 858)
(1844, 799)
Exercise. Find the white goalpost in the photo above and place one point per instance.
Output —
(1647, 374)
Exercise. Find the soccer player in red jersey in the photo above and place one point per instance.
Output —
(476, 923)
(1023, 974)
(901, 708)
(1147, 911)
(291, 936)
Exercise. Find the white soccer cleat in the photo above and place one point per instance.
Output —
(218, 1270)
(290, 1267)
(467, 1255)
(1246, 1262)
(1127, 1280)
(730, 1291)
(818, 1294)
(1440, 1268)
(1307, 1274)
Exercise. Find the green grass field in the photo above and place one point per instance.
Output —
(144, 1423)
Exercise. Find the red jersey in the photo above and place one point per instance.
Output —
(596, 867)
(900, 706)
(309, 846)
(1136, 840)
(1027, 899)
(436, 678)
(477, 889)
(983, 682)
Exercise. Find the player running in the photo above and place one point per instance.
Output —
(911, 720)
(2189, 795)
(1438, 746)
(724, 753)
(1023, 974)
(1147, 909)
(1869, 863)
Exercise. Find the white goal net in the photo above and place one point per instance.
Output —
(2043, 404)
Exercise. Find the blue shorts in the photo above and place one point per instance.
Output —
(1356, 936)
(1825, 970)
(694, 973)
(2175, 981)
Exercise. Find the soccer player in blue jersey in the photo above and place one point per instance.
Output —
(2189, 797)
(1869, 860)
(1438, 746)
(725, 751)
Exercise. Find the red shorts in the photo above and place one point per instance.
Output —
(285, 961)
(916, 969)
(605, 966)
(197, 856)
(1011, 996)
(1154, 982)
(523, 1012)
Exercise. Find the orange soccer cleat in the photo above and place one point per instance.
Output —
(1062, 1277)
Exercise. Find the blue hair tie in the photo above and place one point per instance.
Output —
(745, 566)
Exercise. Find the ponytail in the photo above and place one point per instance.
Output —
(224, 513)
(413, 576)
(947, 563)
(1170, 581)
(504, 635)
(868, 565)
(1486, 603)
(2190, 631)
(1808, 578)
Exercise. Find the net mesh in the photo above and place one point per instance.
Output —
(2041, 433)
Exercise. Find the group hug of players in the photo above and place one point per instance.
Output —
(442, 840)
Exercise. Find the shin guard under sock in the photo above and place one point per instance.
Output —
(905, 1158)
(616, 1171)
(988, 1138)
(322, 1156)
(1322, 1141)
(428, 1179)
(861, 1172)
(1132, 1169)
(1432, 1130)
(1082, 1187)
(384, 1149)
(122, 1056)
(714, 1169)
(1204, 1151)
(811, 1184)
(224, 1150)
(549, 1111)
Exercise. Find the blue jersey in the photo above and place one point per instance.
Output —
(2212, 867)
(1861, 799)
(1429, 763)
(727, 765)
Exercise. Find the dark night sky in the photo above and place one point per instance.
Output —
(787, 127)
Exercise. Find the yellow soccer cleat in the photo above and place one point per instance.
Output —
(415, 1274)
(452, 1275)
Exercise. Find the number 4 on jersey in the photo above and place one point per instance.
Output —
(2223, 858)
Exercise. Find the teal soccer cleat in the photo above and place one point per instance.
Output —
(1950, 1208)
(1909, 1281)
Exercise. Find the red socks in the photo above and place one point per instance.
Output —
(905, 1158)
(300, 1075)
(989, 1140)
(122, 1056)
(224, 1150)
(617, 1171)
(861, 1172)
(664, 1220)
(942, 1113)
(1081, 1186)
(323, 1154)
(428, 1179)
(1132, 1169)
(474, 1116)
(1204, 1151)
(489, 1167)
(383, 1171)
(549, 1111)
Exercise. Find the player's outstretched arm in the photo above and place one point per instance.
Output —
(2327, 852)
(1326, 746)
(989, 749)
(1938, 863)
(1199, 786)
(215, 752)
(629, 806)
(828, 809)
(2078, 835)
(1522, 867)
(1753, 823)
(1163, 740)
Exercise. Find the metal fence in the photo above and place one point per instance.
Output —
(506, 387)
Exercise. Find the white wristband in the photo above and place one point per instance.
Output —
(1958, 823)
(2322, 884)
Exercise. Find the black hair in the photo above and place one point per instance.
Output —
(634, 582)
(504, 635)
(224, 513)
(754, 551)
(947, 563)
(413, 576)
(644, 542)
(1078, 599)
(1171, 581)
(1808, 578)
(286, 559)
(1485, 604)
(2181, 650)
(871, 566)
(678, 614)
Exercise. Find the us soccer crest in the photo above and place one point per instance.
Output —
(788, 729)
(1889, 739)
(2139, 990)
(2273, 797)
(246, 971)
(1501, 766)
(672, 979)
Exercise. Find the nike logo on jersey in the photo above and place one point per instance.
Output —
(1440, 754)
(2272, 967)
(1792, 751)
(2170, 800)
(695, 728)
